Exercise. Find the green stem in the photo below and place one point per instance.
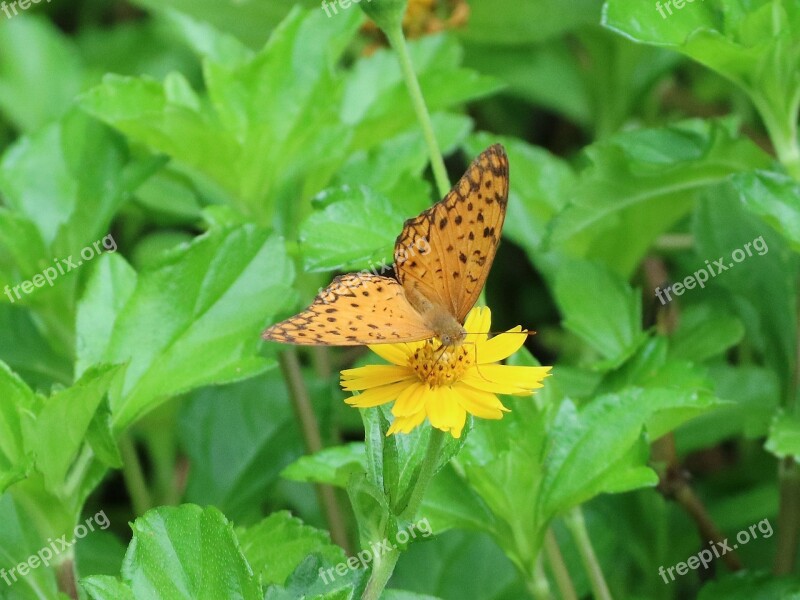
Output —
(397, 40)
(789, 477)
(381, 572)
(134, 477)
(782, 130)
(558, 567)
(538, 585)
(577, 526)
(788, 517)
(426, 473)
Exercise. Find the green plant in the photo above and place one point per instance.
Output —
(187, 173)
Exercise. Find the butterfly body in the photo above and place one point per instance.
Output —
(437, 318)
(433, 291)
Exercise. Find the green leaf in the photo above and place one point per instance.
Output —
(784, 436)
(251, 22)
(751, 585)
(315, 580)
(451, 503)
(185, 552)
(107, 292)
(446, 564)
(250, 139)
(763, 284)
(30, 46)
(376, 99)
(332, 466)
(90, 176)
(56, 433)
(507, 22)
(28, 351)
(105, 587)
(19, 540)
(276, 546)
(356, 226)
(753, 393)
(774, 197)
(641, 182)
(705, 330)
(592, 447)
(16, 398)
(601, 308)
(396, 167)
(752, 43)
(192, 320)
(238, 437)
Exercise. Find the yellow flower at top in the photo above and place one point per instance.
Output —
(443, 384)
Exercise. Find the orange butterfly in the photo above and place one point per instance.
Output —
(433, 291)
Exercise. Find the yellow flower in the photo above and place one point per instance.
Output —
(445, 383)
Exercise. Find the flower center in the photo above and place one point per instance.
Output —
(439, 365)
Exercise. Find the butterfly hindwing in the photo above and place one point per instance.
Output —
(461, 234)
(354, 310)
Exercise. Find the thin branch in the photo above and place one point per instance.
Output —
(674, 480)
(577, 527)
(301, 401)
(558, 567)
(133, 475)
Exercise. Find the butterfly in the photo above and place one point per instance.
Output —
(433, 290)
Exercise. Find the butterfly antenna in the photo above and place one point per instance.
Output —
(523, 332)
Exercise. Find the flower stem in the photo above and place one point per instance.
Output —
(381, 572)
(788, 520)
(538, 585)
(577, 526)
(426, 473)
(557, 566)
(133, 475)
(301, 401)
(397, 40)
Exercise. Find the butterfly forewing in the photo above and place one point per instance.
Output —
(356, 309)
(462, 233)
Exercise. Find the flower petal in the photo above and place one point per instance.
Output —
(478, 324)
(406, 424)
(475, 378)
(522, 377)
(362, 378)
(397, 354)
(500, 346)
(411, 400)
(377, 395)
(445, 412)
(481, 404)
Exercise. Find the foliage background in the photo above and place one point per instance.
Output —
(242, 152)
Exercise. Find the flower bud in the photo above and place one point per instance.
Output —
(387, 14)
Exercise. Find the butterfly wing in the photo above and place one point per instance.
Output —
(354, 310)
(446, 252)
